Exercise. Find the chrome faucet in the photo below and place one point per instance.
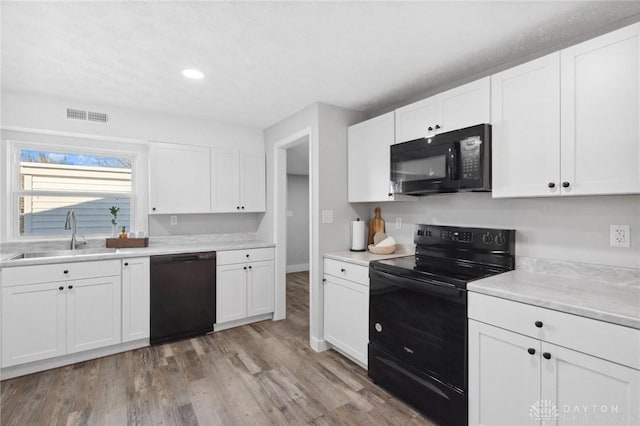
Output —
(70, 223)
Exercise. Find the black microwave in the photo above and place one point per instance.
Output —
(454, 161)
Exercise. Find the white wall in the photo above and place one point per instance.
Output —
(130, 126)
(569, 228)
(328, 173)
(297, 223)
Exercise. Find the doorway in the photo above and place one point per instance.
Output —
(281, 150)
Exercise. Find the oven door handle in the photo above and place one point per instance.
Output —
(431, 287)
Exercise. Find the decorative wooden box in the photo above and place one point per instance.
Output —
(127, 242)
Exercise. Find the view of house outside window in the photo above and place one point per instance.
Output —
(52, 183)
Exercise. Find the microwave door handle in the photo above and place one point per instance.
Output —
(452, 162)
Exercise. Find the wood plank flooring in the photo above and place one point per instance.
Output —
(259, 374)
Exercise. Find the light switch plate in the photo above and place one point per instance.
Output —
(174, 220)
(327, 216)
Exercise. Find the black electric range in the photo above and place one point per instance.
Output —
(418, 315)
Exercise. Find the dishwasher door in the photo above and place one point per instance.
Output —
(183, 295)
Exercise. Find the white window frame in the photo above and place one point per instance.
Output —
(36, 142)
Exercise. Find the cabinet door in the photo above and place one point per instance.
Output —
(589, 390)
(93, 313)
(252, 183)
(504, 377)
(135, 298)
(346, 316)
(417, 120)
(464, 106)
(179, 179)
(231, 292)
(260, 288)
(225, 180)
(368, 152)
(33, 322)
(601, 114)
(525, 115)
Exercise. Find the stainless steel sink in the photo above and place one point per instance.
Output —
(60, 253)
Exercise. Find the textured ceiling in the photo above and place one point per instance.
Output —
(264, 60)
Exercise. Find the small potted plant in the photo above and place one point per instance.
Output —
(114, 220)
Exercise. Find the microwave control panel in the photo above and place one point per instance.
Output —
(470, 158)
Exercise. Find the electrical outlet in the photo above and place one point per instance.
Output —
(398, 223)
(174, 220)
(289, 213)
(620, 236)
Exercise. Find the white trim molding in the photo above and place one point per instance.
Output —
(301, 267)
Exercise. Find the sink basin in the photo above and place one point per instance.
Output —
(59, 253)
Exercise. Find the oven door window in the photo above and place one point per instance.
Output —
(422, 324)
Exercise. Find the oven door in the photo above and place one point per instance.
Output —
(425, 166)
(422, 323)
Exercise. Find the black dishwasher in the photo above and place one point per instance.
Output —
(183, 295)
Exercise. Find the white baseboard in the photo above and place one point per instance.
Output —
(318, 345)
(47, 364)
(297, 268)
(240, 322)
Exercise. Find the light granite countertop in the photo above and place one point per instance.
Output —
(599, 292)
(157, 246)
(364, 257)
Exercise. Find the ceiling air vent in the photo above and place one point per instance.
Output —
(99, 117)
(76, 114)
(96, 117)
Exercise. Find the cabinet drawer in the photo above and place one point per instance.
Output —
(602, 339)
(347, 271)
(35, 274)
(229, 257)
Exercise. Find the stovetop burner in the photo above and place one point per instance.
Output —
(451, 271)
(454, 255)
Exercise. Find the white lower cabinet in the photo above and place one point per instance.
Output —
(346, 308)
(136, 296)
(33, 322)
(231, 292)
(42, 320)
(517, 379)
(244, 285)
(93, 313)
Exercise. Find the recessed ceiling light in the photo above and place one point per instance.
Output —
(191, 73)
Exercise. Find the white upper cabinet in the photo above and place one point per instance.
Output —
(252, 182)
(196, 179)
(368, 154)
(237, 181)
(416, 120)
(569, 123)
(225, 180)
(464, 106)
(457, 108)
(525, 103)
(179, 179)
(601, 114)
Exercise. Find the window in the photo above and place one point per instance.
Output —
(50, 181)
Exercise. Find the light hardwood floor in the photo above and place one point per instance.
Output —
(259, 374)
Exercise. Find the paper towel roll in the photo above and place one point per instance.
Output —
(358, 235)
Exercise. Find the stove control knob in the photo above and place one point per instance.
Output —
(500, 240)
(378, 327)
(487, 238)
